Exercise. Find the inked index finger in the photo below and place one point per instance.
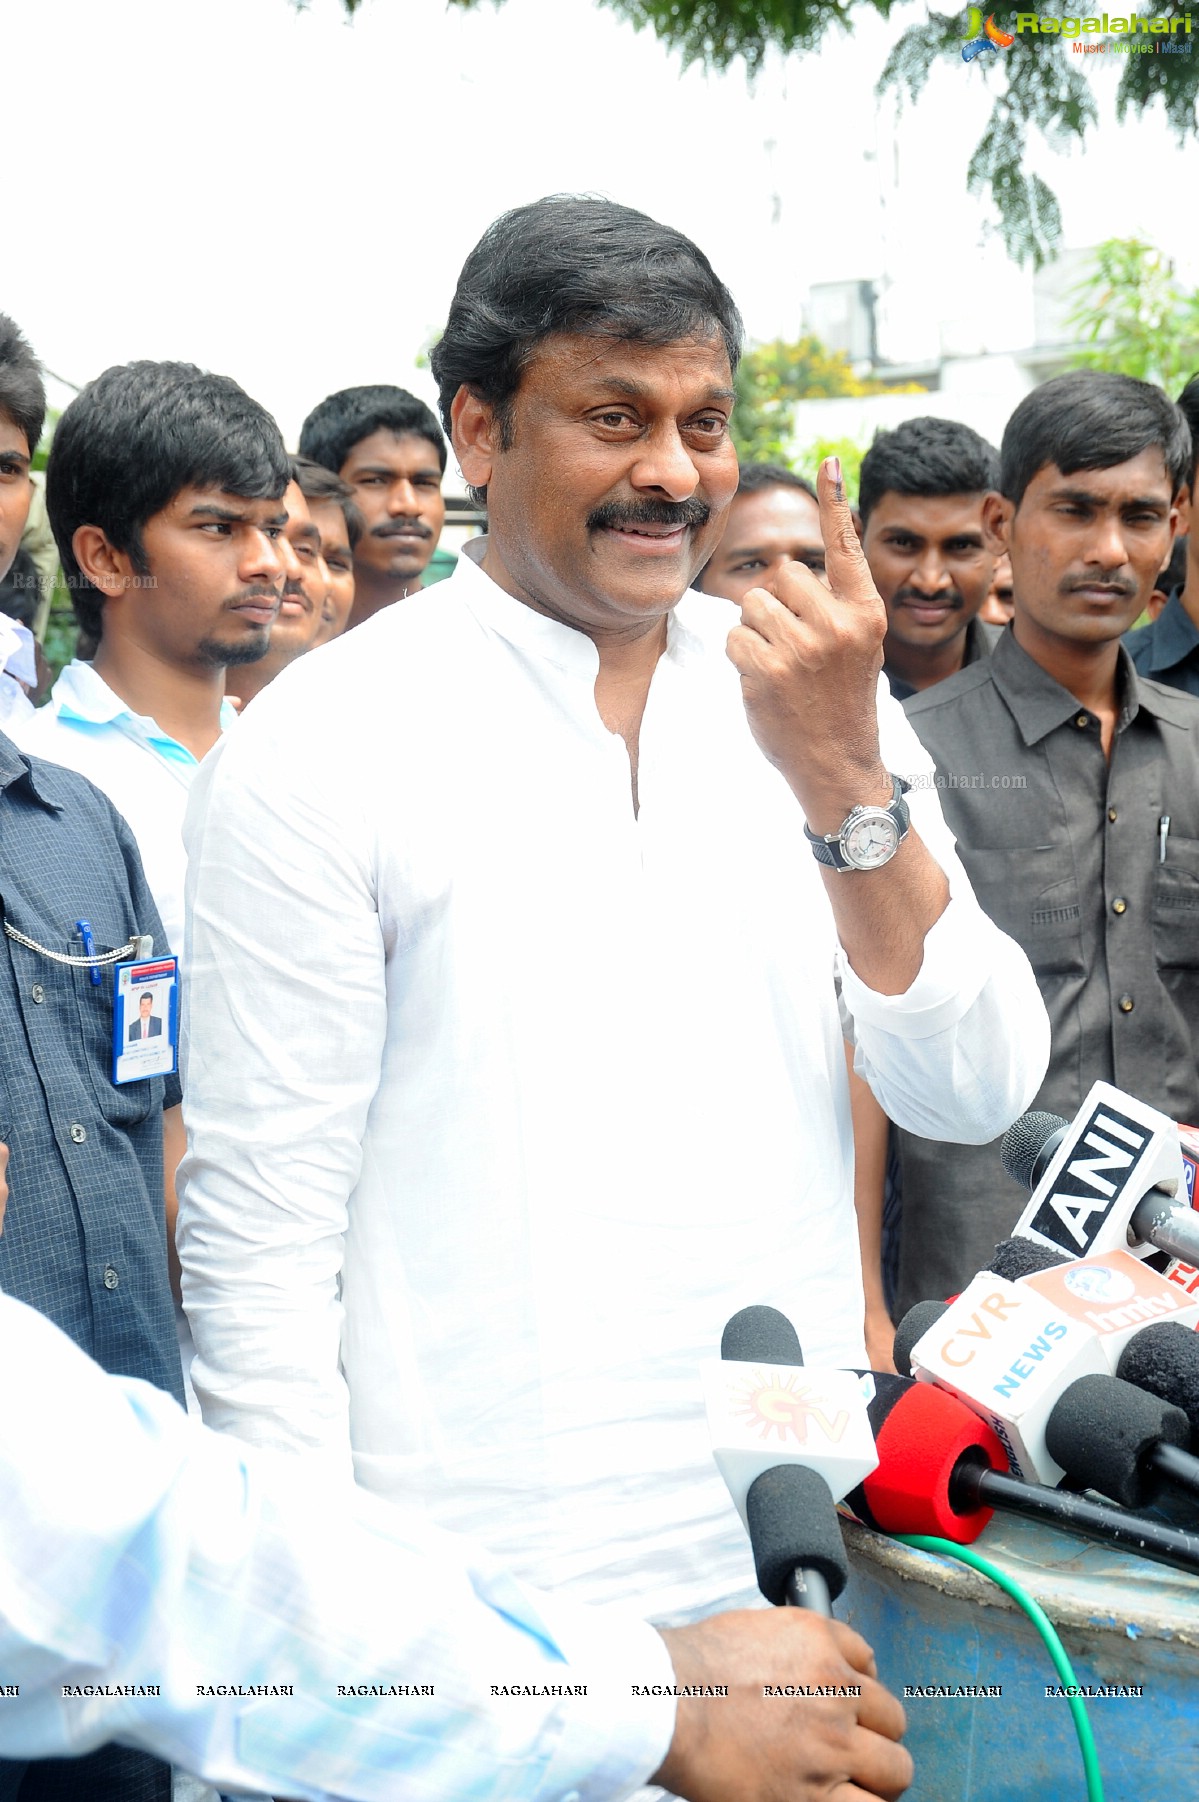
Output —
(844, 560)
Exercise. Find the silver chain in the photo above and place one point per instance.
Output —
(80, 963)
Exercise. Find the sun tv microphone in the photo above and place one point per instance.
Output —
(1117, 1295)
(940, 1471)
(788, 1441)
(1007, 1353)
(1111, 1179)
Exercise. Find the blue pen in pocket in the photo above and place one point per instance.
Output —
(84, 929)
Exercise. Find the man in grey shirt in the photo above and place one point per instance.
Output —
(1072, 784)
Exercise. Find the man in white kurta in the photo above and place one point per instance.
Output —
(509, 1085)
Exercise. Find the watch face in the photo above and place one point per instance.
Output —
(872, 839)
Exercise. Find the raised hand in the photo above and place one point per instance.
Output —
(809, 657)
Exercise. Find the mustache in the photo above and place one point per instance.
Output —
(908, 597)
(412, 528)
(616, 515)
(258, 593)
(1114, 585)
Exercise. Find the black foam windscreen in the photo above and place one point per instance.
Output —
(1023, 1143)
(1164, 1359)
(913, 1326)
(1102, 1430)
(760, 1335)
(793, 1525)
(1015, 1258)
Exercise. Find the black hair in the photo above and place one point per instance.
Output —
(1092, 419)
(316, 483)
(132, 440)
(344, 419)
(572, 263)
(1173, 573)
(21, 589)
(755, 477)
(926, 456)
(22, 391)
(1188, 406)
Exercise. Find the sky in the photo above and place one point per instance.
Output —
(287, 197)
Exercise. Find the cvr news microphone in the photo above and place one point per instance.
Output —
(940, 1472)
(788, 1442)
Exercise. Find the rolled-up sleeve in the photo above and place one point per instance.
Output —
(964, 1049)
(200, 1568)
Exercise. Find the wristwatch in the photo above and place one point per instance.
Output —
(869, 836)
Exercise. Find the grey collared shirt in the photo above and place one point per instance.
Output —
(1064, 850)
(1168, 648)
(980, 641)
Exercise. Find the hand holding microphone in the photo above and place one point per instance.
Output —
(756, 1747)
(805, 1716)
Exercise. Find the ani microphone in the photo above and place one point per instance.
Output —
(1111, 1179)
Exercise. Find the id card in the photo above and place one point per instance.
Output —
(145, 1019)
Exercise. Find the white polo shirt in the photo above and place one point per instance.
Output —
(145, 773)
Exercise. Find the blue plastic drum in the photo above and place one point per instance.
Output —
(1127, 1625)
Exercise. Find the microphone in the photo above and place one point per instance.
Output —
(1116, 1295)
(1111, 1179)
(1164, 1359)
(788, 1442)
(1015, 1258)
(760, 1335)
(1008, 1353)
(1012, 1258)
(940, 1474)
(1110, 1436)
(915, 1323)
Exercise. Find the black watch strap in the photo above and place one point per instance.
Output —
(827, 847)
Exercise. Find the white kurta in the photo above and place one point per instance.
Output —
(501, 1099)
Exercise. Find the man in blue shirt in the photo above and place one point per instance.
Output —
(1168, 650)
(85, 1237)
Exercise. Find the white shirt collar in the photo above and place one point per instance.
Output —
(81, 694)
(535, 634)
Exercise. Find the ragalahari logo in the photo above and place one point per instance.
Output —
(984, 36)
(785, 1407)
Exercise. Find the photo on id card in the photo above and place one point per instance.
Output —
(145, 1033)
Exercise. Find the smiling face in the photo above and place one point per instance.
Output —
(614, 487)
(396, 480)
(930, 564)
(766, 529)
(1085, 550)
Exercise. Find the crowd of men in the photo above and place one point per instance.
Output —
(582, 948)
